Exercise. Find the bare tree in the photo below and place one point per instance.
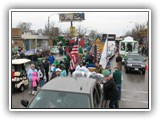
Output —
(24, 25)
(93, 34)
(48, 30)
(40, 31)
(81, 30)
(137, 32)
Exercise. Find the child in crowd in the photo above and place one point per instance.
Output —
(35, 81)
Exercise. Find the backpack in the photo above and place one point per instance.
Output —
(41, 74)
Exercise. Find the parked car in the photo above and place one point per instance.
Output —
(19, 76)
(135, 62)
(67, 92)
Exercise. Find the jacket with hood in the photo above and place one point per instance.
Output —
(35, 79)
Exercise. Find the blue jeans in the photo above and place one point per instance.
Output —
(119, 91)
(42, 82)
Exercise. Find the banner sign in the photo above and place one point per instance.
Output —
(30, 52)
(67, 17)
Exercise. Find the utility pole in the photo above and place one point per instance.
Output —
(48, 27)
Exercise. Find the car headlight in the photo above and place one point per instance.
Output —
(129, 64)
(142, 65)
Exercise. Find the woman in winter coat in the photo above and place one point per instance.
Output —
(35, 81)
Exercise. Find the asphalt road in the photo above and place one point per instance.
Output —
(134, 91)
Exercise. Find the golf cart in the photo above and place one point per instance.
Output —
(19, 74)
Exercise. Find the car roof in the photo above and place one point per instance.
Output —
(20, 61)
(70, 84)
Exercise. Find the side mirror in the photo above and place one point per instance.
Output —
(24, 103)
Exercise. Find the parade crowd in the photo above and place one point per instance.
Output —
(51, 68)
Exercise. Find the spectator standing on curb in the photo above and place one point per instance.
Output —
(117, 76)
(110, 90)
(51, 59)
(29, 74)
(119, 61)
(41, 75)
(67, 63)
(46, 68)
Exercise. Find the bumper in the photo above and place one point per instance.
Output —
(135, 68)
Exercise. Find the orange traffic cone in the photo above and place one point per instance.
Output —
(146, 67)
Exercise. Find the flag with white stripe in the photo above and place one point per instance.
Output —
(103, 60)
(73, 61)
(75, 47)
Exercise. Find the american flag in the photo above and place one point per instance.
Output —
(75, 47)
(73, 61)
(73, 55)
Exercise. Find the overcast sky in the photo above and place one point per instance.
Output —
(103, 22)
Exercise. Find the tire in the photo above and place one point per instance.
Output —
(22, 88)
(143, 72)
(126, 69)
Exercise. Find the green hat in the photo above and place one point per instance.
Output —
(105, 73)
(56, 62)
(87, 63)
(65, 57)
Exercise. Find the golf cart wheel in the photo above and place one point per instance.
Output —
(21, 89)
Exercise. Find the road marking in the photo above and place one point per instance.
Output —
(129, 100)
(127, 90)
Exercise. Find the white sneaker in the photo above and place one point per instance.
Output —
(35, 92)
(32, 92)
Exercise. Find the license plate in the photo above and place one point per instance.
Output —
(136, 69)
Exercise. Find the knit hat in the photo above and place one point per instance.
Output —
(105, 73)
(56, 62)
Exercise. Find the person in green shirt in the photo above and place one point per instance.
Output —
(117, 76)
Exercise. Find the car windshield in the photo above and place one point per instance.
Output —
(56, 99)
(135, 58)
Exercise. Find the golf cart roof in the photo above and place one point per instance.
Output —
(20, 61)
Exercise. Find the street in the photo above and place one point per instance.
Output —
(134, 91)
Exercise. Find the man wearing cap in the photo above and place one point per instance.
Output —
(110, 90)
(117, 76)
